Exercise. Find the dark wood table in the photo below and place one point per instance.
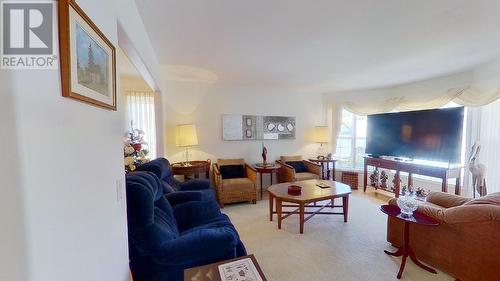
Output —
(311, 194)
(327, 173)
(442, 172)
(210, 272)
(194, 168)
(267, 169)
(405, 249)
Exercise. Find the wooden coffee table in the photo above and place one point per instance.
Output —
(311, 194)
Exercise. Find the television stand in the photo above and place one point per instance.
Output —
(443, 173)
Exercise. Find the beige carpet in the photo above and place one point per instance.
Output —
(329, 249)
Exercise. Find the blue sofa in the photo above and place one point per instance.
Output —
(170, 233)
(161, 168)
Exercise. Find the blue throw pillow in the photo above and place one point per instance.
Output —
(232, 171)
(298, 166)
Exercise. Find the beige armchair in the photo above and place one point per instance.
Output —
(230, 187)
(466, 244)
(287, 173)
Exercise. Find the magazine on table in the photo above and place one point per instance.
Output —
(240, 270)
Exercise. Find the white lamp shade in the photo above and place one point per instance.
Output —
(185, 135)
(321, 134)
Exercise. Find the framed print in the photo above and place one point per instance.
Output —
(88, 59)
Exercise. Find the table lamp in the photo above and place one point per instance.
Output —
(321, 136)
(186, 137)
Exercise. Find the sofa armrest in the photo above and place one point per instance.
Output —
(251, 173)
(446, 200)
(286, 173)
(181, 197)
(198, 247)
(312, 167)
(195, 213)
(217, 177)
(195, 184)
(471, 213)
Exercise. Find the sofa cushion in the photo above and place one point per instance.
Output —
(446, 200)
(237, 184)
(221, 221)
(298, 166)
(491, 199)
(149, 216)
(162, 169)
(232, 171)
(305, 176)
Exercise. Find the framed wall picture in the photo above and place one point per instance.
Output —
(88, 59)
(256, 127)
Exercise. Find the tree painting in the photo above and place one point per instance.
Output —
(92, 63)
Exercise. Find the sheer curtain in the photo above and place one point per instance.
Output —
(489, 138)
(140, 107)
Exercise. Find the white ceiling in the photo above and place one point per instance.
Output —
(324, 45)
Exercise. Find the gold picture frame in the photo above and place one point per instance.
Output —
(88, 58)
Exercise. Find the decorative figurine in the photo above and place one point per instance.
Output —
(394, 183)
(264, 155)
(421, 193)
(374, 178)
(404, 190)
(478, 172)
(383, 180)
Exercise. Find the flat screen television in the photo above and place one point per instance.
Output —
(427, 134)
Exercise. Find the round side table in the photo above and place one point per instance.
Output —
(267, 169)
(193, 168)
(405, 249)
(326, 172)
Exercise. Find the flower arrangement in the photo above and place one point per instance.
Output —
(133, 150)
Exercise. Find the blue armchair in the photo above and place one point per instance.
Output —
(170, 233)
(161, 168)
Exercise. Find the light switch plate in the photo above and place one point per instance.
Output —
(119, 190)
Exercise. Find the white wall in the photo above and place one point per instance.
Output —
(13, 255)
(63, 207)
(134, 83)
(203, 104)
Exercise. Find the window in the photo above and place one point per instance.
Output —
(351, 142)
(140, 111)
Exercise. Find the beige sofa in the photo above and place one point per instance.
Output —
(466, 244)
(288, 174)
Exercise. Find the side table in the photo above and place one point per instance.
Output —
(325, 163)
(267, 169)
(211, 271)
(195, 168)
(405, 249)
